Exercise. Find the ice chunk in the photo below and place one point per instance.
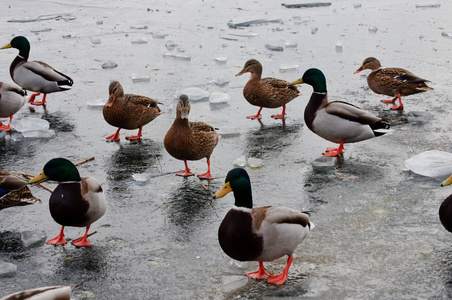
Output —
(338, 46)
(240, 161)
(170, 45)
(219, 98)
(178, 55)
(139, 27)
(428, 5)
(252, 22)
(431, 163)
(99, 22)
(2, 134)
(323, 164)
(274, 48)
(221, 82)
(279, 28)
(447, 34)
(372, 28)
(109, 65)
(193, 93)
(7, 269)
(32, 238)
(283, 68)
(301, 5)
(96, 102)
(248, 34)
(143, 177)
(233, 283)
(29, 124)
(140, 78)
(229, 131)
(314, 30)
(255, 163)
(140, 41)
(96, 41)
(221, 59)
(159, 36)
(291, 44)
(357, 5)
(41, 30)
(39, 134)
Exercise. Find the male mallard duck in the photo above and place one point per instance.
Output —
(262, 233)
(12, 98)
(187, 140)
(445, 210)
(337, 121)
(14, 191)
(266, 92)
(62, 292)
(76, 201)
(394, 82)
(35, 76)
(128, 111)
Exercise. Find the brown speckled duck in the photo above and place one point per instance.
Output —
(187, 140)
(266, 92)
(14, 191)
(394, 82)
(35, 76)
(62, 292)
(12, 98)
(128, 111)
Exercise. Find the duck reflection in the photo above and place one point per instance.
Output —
(89, 263)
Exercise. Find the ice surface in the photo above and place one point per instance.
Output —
(255, 163)
(143, 177)
(323, 164)
(431, 163)
(140, 41)
(140, 78)
(65, 17)
(29, 124)
(221, 60)
(233, 283)
(221, 82)
(219, 98)
(274, 47)
(96, 102)
(229, 131)
(7, 269)
(109, 65)
(284, 68)
(240, 161)
(2, 135)
(33, 238)
(39, 134)
(193, 93)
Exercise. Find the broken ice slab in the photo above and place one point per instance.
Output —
(219, 98)
(7, 269)
(233, 283)
(431, 163)
(240, 161)
(178, 55)
(139, 27)
(428, 5)
(314, 30)
(99, 22)
(372, 28)
(323, 164)
(109, 65)
(303, 5)
(96, 103)
(221, 59)
(65, 17)
(140, 41)
(170, 45)
(221, 82)
(159, 36)
(2, 135)
(143, 177)
(136, 78)
(29, 124)
(274, 48)
(41, 30)
(32, 238)
(252, 22)
(338, 46)
(447, 34)
(96, 41)
(284, 68)
(193, 94)
(248, 34)
(357, 5)
(291, 44)
(229, 131)
(46, 134)
(255, 163)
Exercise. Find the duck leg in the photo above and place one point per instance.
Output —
(6, 127)
(334, 151)
(206, 175)
(33, 102)
(83, 241)
(185, 173)
(135, 137)
(280, 279)
(394, 100)
(257, 116)
(282, 114)
(259, 274)
(113, 137)
(59, 240)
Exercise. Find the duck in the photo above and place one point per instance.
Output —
(128, 111)
(76, 201)
(14, 191)
(12, 99)
(445, 209)
(61, 292)
(263, 233)
(337, 121)
(187, 140)
(35, 76)
(266, 92)
(394, 82)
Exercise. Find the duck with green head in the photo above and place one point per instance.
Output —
(76, 201)
(35, 76)
(12, 98)
(261, 233)
(337, 121)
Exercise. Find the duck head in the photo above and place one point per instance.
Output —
(58, 169)
(183, 107)
(252, 66)
(315, 78)
(370, 63)
(237, 181)
(115, 90)
(21, 43)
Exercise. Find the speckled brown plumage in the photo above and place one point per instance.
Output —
(394, 82)
(187, 140)
(14, 191)
(129, 111)
(266, 92)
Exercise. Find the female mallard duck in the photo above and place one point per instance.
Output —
(14, 191)
(266, 92)
(76, 201)
(337, 121)
(62, 292)
(187, 140)
(262, 233)
(445, 210)
(128, 111)
(35, 76)
(12, 98)
(394, 82)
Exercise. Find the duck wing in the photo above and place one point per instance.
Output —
(278, 83)
(401, 74)
(350, 112)
(278, 215)
(46, 71)
(141, 100)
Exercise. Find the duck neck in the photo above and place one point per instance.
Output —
(243, 197)
(317, 101)
(15, 62)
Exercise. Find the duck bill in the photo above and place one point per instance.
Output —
(359, 70)
(241, 72)
(110, 101)
(184, 114)
(38, 178)
(6, 46)
(225, 189)
(448, 181)
(299, 81)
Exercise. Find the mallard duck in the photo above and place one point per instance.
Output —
(128, 111)
(35, 76)
(445, 210)
(76, 201)
(187, 140)
(62, 292)
(14, 191)
(266, 92)
(337, 121)
(394, 82)
(12, 98)
(262, 233)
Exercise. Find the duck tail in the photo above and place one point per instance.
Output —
(380, 128)
(424, 88)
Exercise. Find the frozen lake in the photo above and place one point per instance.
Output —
(377, 234)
